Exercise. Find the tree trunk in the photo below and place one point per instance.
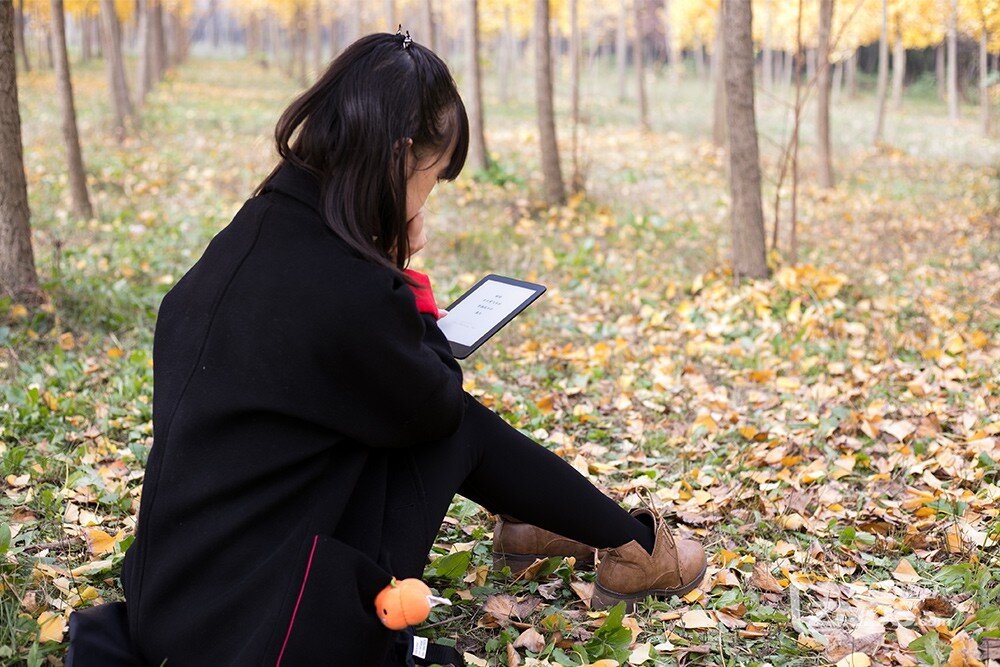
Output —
(427, 23)
(576, 179)
(74, 159)
(898, 72)
(984, 92)
(953, 61)
(144, 64)
(699, 61)
(19, 42)
(158, 62)
(747, 216)
(555, 191)
(85, 51)
(179, 28)
(672, 37)
(883, 71)
(824, 83)
(357, 25)
(939, 71)
(17, 262)
(213, 22)
(640, 70)
(479, 158)
(851, 74)
(115, 65)
(719, 113)
(316, 38)
(506, 56)
(837, 84)
(621, 48)
(298, 37)
(391, 16)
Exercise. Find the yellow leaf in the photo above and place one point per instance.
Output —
(52, 627)
(115, 353)
(964, 652)
(18, 311)
(855, 660)
(66, 341)
(707, 422)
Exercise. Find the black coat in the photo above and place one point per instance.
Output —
(287, 371)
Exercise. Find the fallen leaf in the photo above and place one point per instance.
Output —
(697, 619)
(905, 573)
(530, 639)
(640, 654)
(51, 626)
(855, 660)
(763, 579)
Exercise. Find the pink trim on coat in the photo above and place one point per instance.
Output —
(301, 591)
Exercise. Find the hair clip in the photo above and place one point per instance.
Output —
(407, 40)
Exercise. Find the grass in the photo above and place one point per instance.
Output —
(660, 371)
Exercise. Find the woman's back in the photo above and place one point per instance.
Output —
(258, 407)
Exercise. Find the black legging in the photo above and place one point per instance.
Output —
(493, 464)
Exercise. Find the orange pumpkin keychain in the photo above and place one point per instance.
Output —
(404, 603)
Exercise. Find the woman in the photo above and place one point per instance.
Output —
(310, 426)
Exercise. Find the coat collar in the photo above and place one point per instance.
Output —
(297, 183)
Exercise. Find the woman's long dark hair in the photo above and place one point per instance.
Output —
(353, 125)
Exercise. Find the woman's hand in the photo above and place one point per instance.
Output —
(415, 232)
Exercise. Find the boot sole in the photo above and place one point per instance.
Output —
(520, 562)
(603, 598)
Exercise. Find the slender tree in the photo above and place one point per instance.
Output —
(316, 37)
(576, 180)
(74, 158)
(939, 71)
(428, 37)
(747, 216)
(953, 61)
(555, 190)
(719, 73)
(898, 70)
(158, 61)
(391, 15)
(621, 47)
(824, 84)
(883, 71)
(115, 65)
(17, 261)
(19, 41)
(673, 46)
(640, 69)
(144, 65)
(479, 157)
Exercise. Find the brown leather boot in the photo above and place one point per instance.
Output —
(630, 573)
(517, 545)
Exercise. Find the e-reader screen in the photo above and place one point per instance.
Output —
(484, 310)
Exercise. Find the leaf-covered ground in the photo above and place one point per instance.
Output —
(832, 434)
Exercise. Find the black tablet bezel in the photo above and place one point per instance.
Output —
(460, 351)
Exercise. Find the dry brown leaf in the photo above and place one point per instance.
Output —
(584, 590)
(905, 573)
(513, 659)
(530, 639)
(762, 579)
(697, 619)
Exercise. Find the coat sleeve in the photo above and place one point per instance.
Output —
(398, 382)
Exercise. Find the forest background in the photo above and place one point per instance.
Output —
(770, 235)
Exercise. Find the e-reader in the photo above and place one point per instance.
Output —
(484, 310)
